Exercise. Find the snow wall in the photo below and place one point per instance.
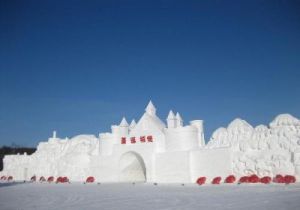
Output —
(238, 149)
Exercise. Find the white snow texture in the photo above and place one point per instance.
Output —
(150, 151)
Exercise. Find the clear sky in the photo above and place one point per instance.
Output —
(79, 66)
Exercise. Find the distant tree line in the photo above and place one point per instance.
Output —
(13, 150)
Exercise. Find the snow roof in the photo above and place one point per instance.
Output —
(171, 115)
(124, 123)
(150, 109)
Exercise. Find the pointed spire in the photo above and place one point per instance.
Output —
(132, 124)
(150, 109)
(179, 119)
(54, 135)
(171, 115)
(124, 123)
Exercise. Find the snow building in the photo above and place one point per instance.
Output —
(152, 151)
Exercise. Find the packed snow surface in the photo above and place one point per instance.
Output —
(23, 196)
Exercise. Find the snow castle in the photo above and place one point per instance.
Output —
(150, 151)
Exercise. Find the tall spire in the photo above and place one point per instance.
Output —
(124, 123)
(54, 135)
(179, 120)
(171, 115)
(132, 124)
(150, 109)
(171, 120)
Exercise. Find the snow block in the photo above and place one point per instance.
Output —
(210, 163)
(173, 167)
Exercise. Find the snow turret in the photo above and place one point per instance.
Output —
(124, 127)
(199, 125)
(132, 124)
(150, 109)
(179, 120)
(54, 135)
(124, 123)
(171, 120)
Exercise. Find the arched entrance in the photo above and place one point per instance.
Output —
(132, 168)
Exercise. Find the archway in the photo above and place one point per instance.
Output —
(132, 168)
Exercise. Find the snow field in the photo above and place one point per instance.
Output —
(23, 196)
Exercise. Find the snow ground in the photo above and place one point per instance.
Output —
(23, 196)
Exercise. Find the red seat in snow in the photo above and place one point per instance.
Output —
(42, 179)
(62, 179)
(90, 179)
(230, 179)
(278, 179)
(201, 180)
(50, 179)
(266, 180)
(244, 179)
(254, 178)
(288, 179)
(216, 180)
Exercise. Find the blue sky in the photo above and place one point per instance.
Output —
(79, 66)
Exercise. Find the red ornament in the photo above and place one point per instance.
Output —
(90, 179)
(149, 138)
(230, 179)
(254, 178)
(50, 179)
(123, 140)
(216, 180)
(201, 180)
(266, 180)
(244, 179)
(142, 139)
(132, 139)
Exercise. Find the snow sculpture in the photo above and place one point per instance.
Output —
(261, 150)
(151, 151)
